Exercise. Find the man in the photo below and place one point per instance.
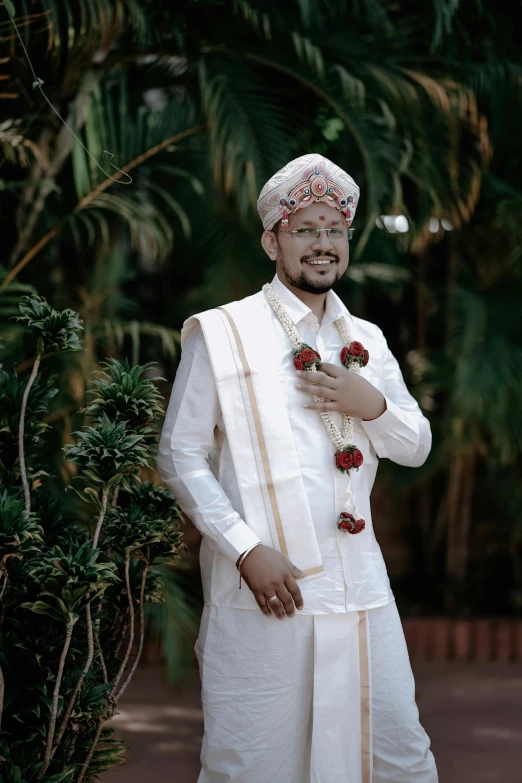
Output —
(282, 404)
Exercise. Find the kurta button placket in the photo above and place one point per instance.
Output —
(320, 342)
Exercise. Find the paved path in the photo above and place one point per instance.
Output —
(472, 712)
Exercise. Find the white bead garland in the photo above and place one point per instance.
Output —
(340, 439)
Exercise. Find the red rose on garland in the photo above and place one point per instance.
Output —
(355, 353)
(346, 521)
(305, 358)
(308, 355)
(349, 524)
(360, 524)
(344, 460)
(358, 458)
(356, 349)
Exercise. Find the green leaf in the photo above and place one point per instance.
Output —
(93, 497)
(59, 777)
(10, 7)
(38, 606)
(115, 480)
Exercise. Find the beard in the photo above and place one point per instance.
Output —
(301, 281)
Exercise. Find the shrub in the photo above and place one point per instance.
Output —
(72, 595)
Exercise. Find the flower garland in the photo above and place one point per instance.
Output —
(353, 356)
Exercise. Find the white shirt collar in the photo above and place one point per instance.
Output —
(298, 310)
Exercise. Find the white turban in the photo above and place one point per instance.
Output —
(301, 182)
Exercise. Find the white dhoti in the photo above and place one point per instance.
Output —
(309, 699)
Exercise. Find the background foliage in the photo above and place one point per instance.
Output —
(200, 104)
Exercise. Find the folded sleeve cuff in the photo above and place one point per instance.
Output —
(236, 540)
(392, 422)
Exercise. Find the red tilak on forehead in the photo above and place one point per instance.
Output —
(322, 217)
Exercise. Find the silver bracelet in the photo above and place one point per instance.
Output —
(238, 566)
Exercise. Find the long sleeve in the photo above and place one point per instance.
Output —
(186, 441)
(402, 433)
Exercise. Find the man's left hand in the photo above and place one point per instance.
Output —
(343, 391)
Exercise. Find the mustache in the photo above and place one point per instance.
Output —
(318, 254)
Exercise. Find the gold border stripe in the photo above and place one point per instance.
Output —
(245, 406)
(365, 698)
(260, 434)
(314, 570)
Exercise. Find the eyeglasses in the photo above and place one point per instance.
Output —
(306, 234)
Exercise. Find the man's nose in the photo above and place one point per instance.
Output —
(323, 241)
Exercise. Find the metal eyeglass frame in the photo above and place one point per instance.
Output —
(317, 230)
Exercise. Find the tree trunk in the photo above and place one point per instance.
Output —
(124, 627)
(85, 765)
(452, 512)
(427, 529)
(459, 515)
(56, 694)
(421, 302)
(98, 645)
(88, 662)
(2, 691)
(142, 633)
(451, 286)
(21, 428)
(131, 631)
(464, 529)
(115, 496)
(3, 570)
(99, 524)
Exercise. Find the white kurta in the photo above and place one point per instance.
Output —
(301, 700)
(195, 461)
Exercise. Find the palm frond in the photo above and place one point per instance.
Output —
(308, 53)
(393, 135)
(11, 332)
(143, 136)
(385, 273)
(17, 148)
(175, 621)
(122, 133)
(258, 20)
(246, 125)
(90, 24)
(114, 331)
(445, 11)
(487, 386)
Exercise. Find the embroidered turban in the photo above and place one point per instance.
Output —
(301, 182)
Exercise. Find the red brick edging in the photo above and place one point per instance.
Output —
(445, 639)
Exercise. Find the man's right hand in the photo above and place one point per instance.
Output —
(269, 573)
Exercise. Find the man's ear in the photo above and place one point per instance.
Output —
(269, 244)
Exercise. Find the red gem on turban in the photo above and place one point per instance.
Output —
(318, 186)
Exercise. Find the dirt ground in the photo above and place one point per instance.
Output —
(472, 712)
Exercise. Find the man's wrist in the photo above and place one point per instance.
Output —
(245, 553)
(377, 410)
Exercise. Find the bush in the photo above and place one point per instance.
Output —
(73, 595)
